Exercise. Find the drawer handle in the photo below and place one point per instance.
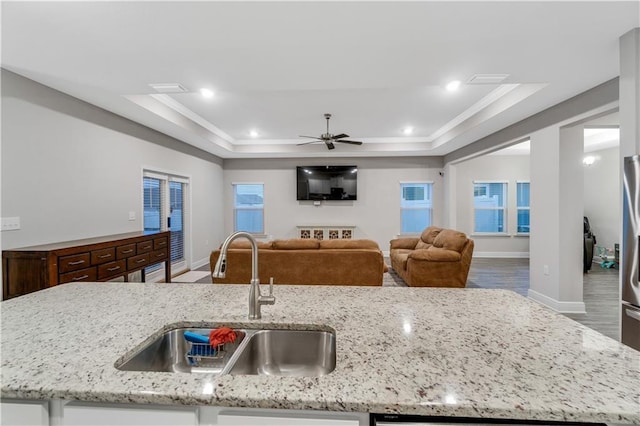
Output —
(115, 268)
(77, 262)
(140, 260)
(104, 256)
(633, 314)
(127, 251)
(162, 243)
(160, 255)
(81, 278)
(146, 247)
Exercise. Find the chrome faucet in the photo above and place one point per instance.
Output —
(255, 298)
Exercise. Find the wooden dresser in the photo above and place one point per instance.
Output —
(29, 269)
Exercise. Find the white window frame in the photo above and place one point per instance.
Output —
(235, 209)
(523, 208)
(430, 209)
(503, 208)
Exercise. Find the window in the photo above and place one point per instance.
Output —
(248, 205)
(489, 202)
(523, 207)
(416, 207)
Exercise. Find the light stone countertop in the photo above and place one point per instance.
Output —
(429, 351)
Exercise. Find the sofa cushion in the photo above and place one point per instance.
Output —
(450, 240)
(349, 244)
(435, 254)
(296, 244)
(422, 245)
(429, 234)
(399, 257)
(244, 244)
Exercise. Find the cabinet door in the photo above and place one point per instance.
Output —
(249, 419)
(77, 414)
(23, 413)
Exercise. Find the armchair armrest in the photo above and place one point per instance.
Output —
(434, 254)
(404, 243)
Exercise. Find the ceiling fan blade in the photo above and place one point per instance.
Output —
(312, 137)
(340, 136)
(307, 143)
(330, 145)
(351, 142)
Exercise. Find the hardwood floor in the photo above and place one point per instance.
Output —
(601, 294)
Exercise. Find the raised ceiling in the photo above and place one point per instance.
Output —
(277, 67)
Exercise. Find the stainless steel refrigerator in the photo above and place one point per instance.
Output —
(630, 262)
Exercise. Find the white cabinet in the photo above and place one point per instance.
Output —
(81, 414)
(265, 419)
(23, 413)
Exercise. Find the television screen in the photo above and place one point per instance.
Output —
(327, 182)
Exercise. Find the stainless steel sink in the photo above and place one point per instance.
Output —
(255, 352)
(172, 353)
(287, 353)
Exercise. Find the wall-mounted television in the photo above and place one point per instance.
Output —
(327, 182)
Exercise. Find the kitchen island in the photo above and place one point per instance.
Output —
(427, 351)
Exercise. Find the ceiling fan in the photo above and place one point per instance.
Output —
(328, 138)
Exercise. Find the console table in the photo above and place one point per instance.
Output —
(34, 268)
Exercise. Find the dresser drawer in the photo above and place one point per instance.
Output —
(103, 256)
(73, 262)
(125, 251)
(144, 247)
(160, 243)
(158, 256)
(136, 262)
(88, 274)
(112, 268)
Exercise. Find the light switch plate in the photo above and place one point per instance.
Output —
(132, 215)
(10, 223)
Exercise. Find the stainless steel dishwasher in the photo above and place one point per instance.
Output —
(412, 420)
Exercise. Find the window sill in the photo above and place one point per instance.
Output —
(491, 234)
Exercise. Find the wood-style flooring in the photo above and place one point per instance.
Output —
(600, 291)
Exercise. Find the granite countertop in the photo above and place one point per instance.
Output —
(430, 351)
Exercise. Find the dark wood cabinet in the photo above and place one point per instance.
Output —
(29, 269)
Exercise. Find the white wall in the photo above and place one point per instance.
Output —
(376, 212)
(71, 170)
(507, 168)
(602, 203)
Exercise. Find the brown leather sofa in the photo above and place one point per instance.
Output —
(305, 261)
(438, 258)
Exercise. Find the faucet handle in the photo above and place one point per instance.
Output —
(270, 286)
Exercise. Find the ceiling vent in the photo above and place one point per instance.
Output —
(169, 88)
(487, 78)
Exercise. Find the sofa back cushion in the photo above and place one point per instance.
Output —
(296, 244)
(429, 235)
(450, 240)
(244, 244)
(422, 245)
(349, 244)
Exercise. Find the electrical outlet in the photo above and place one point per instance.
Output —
(546, 269)
(10, 223)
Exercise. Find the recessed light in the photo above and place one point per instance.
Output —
(207, 93)
(589, 160)
(454, 85)
(407, 130)
(253, 134)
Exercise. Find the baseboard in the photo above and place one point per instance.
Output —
(503, 254)
(556, 305)
(198, 263)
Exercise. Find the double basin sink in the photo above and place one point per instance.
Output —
(274, 352)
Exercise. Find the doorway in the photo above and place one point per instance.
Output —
(165, 201)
